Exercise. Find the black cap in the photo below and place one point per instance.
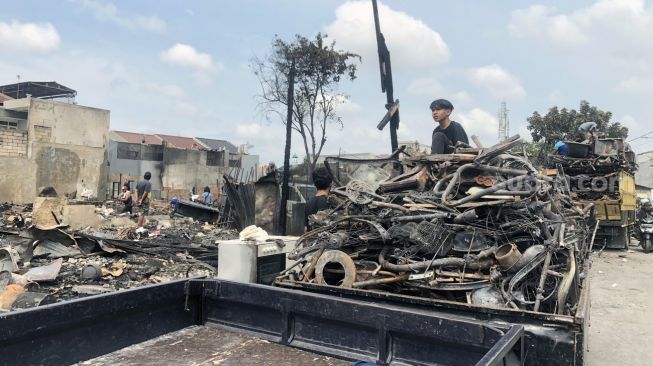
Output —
(441, 104)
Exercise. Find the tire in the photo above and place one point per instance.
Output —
(646, 244)
(626, 238)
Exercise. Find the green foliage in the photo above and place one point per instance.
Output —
(563, 123)
(319, 68)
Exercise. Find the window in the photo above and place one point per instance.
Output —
(9, 125)
(115, 190)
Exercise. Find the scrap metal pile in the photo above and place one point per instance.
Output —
(592, 168)
(480, 227)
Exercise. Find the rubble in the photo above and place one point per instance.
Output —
(481, 226)
(44, 260)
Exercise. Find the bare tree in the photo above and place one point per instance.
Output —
(319, 68)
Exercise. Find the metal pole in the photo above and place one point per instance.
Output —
(286, 156)
(385, 68)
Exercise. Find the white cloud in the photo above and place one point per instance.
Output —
(187, 56)
(413, 44)
(599, 23)
(108, 12)
(462, 98)
(28, 37)
(425, 87)
(431, 88)
(347, 108)
(497, 81)
(480, 123)
(539, 22)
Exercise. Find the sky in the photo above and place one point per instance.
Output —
(182, 68)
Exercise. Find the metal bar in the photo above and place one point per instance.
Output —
(78, 330)
(346, 328)
(501, 349)
(385, 67)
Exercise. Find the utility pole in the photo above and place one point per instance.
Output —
(385, 68)
(504, 123)
(286, 156)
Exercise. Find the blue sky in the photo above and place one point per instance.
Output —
(182, 67)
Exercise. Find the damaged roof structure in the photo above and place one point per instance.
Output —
(38, 89)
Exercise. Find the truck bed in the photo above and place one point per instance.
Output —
(217, 318)
(208, 345)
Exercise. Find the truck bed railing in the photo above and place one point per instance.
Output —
(77, 330)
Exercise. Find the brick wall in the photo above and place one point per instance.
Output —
(13, 143)
(42, 133)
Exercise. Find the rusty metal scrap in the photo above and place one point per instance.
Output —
(484, 228)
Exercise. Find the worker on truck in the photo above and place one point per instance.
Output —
(448, 133)
(322, 181)
(587, 132)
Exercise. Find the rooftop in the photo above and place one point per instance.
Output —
(136, 138)
(217, 145)
(37, 89)
(180, 142)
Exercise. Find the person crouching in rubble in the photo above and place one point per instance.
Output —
(126, 199)
(322, 181)
(448, 133)
(143, 193)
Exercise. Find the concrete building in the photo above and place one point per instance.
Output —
(177, 163)
(644, 175)
(45, 142)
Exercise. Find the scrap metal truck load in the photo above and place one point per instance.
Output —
(478, 235)
(600, 173)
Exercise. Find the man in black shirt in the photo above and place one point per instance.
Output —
(448, 133)
(322, 181)
(143, 195)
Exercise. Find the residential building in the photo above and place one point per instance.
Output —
(46, 142)
(177, 164)
(644, 175)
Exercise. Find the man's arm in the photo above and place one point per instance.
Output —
(146, 194)
(461, 135)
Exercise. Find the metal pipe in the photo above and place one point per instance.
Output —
(540, 287)
(381, 281)
(390, 205)
(438, 215)
(567, 280)
(490, 190)
(311, 267)
(440, 262)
